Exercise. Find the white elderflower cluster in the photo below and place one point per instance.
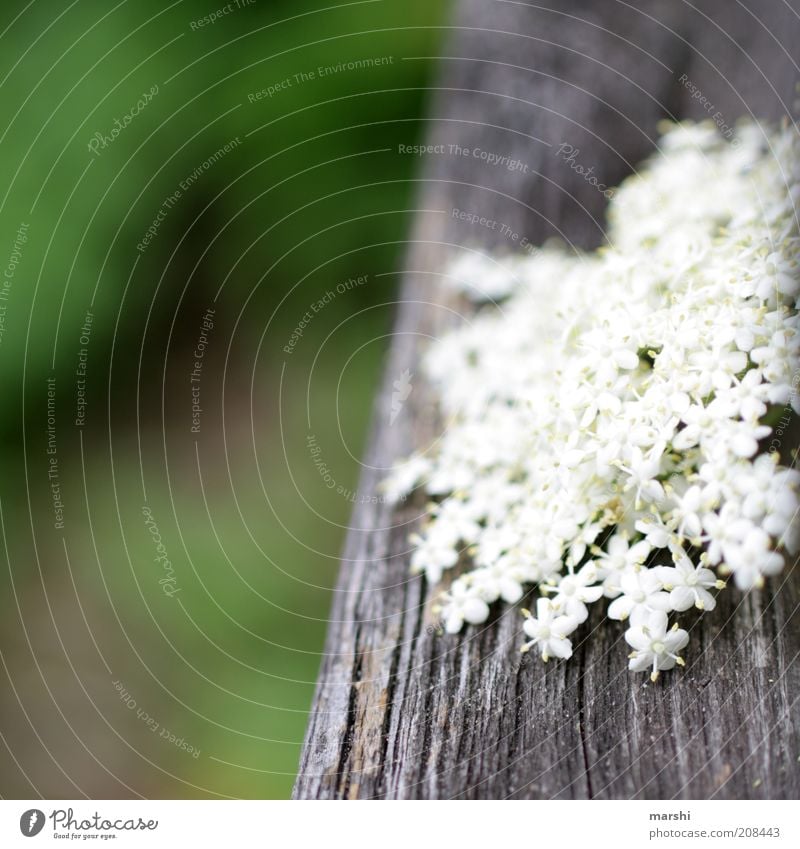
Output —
(625, 409)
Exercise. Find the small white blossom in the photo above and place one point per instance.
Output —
(548, 631)
(642, 593)
(654, 647)
(463, 603)
(752, 559)
(574, 592)
(404, 477)
(619, 558)
(500, 580)
(689, 585)
(434, 552)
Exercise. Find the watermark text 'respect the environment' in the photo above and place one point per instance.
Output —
(185, 184)
(218, 14)
(313, 74)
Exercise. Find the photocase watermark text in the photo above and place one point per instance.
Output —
(168, 582)
(100, 141)
(570, 156)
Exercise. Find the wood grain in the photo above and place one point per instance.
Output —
(403, 712)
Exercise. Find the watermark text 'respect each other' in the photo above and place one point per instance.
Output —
(81, 369)
(317, 307)
(153, 724)
(716, 116)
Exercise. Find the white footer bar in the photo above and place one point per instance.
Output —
(402, 825)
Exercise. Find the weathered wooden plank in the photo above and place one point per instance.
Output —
(403, 712)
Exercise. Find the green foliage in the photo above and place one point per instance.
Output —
(313, 193)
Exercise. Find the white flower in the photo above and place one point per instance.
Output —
(744, 398)
(642, 593)
(726, 530)
(434, 552)
(548, 631)
(500, 580)
(689, 585)
(404, 478)
(769, 494)
(573, 592)
(657, 533)
(779, 275)
(619, 558)
(494, 542)
(694, 503)
(458, 517)
(482, 278)
(717, 367)
(643, 470)
(654, 647)
(783, 347)
(752, 559)
(461, 604)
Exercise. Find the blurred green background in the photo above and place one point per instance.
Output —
(188, 670)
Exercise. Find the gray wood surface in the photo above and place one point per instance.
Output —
(402, 712)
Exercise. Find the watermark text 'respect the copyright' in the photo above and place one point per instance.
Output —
(7, 280)
(206, 326)
(330, 482)
(497, 160)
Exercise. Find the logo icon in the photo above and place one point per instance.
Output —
(402, 389)
(31, 822)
